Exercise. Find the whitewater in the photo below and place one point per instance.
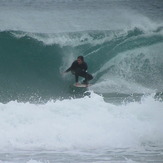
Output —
(44, 118)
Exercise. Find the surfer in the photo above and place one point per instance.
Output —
(79, 68)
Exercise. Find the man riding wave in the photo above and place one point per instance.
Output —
(79, 68)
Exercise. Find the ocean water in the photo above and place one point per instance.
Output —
(44, 118)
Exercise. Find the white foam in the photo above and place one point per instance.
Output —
(119, 85)
(80, 123)
(34, 161)
(132, 71)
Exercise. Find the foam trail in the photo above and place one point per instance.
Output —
(136, 66)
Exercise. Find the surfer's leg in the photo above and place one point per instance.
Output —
(76, 78)
(87, 77)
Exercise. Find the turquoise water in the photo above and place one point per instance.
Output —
(44, 118)
(121, 62)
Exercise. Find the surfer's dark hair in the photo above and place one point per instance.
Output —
(81, 57)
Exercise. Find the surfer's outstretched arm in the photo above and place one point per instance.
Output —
(72, 67)
(69, 69)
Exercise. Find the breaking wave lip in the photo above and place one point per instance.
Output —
(73, 39)
(94, 37)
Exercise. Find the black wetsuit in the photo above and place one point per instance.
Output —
(80, 70)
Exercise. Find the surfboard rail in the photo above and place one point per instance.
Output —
(80, 85)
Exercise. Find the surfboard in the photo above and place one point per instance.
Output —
(82, 85)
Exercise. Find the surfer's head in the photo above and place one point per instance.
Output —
(80, 59)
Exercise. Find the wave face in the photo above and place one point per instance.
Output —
(120, 40)
(121, 62)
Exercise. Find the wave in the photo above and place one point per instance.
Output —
(51, 126)
(120, 61)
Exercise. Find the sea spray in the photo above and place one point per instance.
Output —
(84, 123)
